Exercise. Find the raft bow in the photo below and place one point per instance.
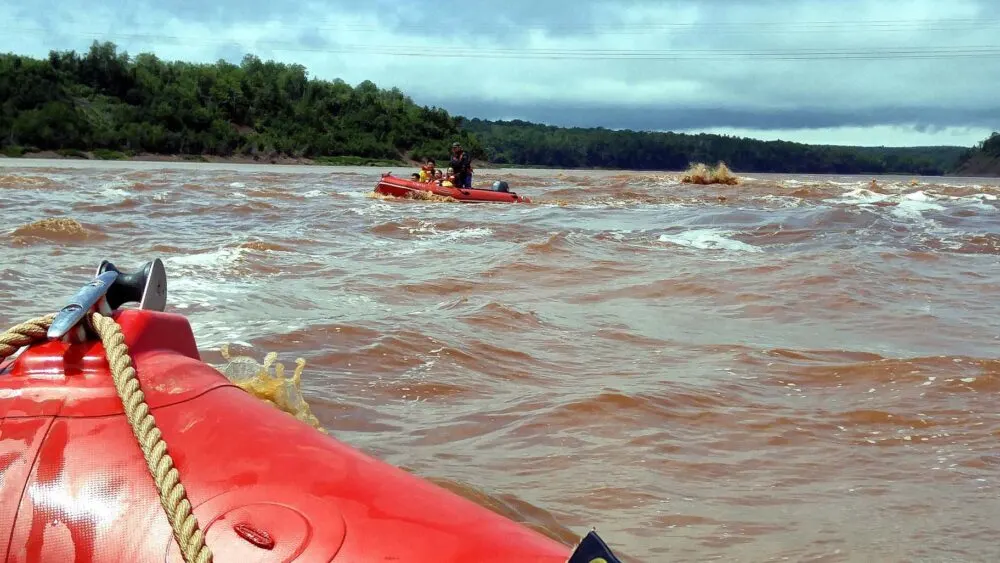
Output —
(87, 412)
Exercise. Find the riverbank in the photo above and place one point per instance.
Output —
(282, 160)
(108, 155)
(42, 161)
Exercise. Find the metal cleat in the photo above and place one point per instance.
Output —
(110, 289)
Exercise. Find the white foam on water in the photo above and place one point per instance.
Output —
(919, 195)
(375, 208)
(913, 205)
(313, 193)
(116, 190)
(952, 185)
(978, 201)
(428, 229)
(782, 200)
(472, 232)
(201, 261)
(977, 197)
(619, 235)
(627, 204)
(355, 194)
(187, 292)
(201, 279)
(116, 194)
(211, 334)
(709, 239)
(859, 196)
(428, 233)
(428, 237)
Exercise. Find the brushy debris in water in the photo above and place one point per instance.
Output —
(698, 173)
(54, 229)
(283, 393)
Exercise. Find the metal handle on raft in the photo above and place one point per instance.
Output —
(147, 286)
(82, 302)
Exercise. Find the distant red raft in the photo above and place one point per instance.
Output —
(400, 187)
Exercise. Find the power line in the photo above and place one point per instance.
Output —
(867, 26)
(449, 52)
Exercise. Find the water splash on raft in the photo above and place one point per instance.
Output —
(419, 196)
(268, 383)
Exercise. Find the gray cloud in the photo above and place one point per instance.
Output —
(312, 39)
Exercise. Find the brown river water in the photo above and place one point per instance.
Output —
(802, 369)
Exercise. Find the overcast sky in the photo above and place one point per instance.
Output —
(870, 72)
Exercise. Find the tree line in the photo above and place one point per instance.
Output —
(114, 105)
(520, 142)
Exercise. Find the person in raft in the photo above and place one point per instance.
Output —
(461, 163)
(446, 180)
(427, 170)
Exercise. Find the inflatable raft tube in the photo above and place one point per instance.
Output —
(401, 187)
(76, 483)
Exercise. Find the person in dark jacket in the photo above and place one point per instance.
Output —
(461, 163)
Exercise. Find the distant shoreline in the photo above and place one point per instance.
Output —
(350, 162)
(335, 161)
(243, 164)
(49, 159)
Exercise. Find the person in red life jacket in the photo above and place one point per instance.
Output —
(427, 170)
(461, 163)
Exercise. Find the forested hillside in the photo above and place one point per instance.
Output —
(981, 160)
(108, 100)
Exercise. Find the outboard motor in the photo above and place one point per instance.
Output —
(501, 186)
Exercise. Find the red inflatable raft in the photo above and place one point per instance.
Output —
(400, 187)
(75, 485)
